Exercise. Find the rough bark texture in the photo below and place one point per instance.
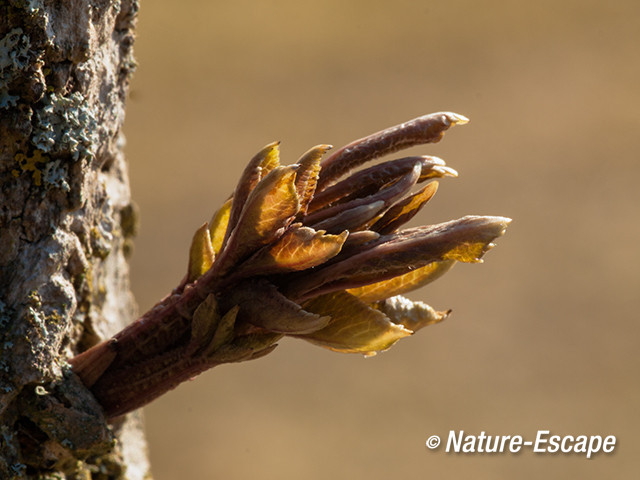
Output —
(66, 220)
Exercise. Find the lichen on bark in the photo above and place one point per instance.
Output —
(65, 222)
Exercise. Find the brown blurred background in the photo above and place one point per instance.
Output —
(544, 335)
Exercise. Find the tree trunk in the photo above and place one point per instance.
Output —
(66, 222)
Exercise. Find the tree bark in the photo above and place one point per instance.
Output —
(66, 222)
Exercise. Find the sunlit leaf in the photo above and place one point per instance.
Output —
(303, 248)
(201, 253)
(270, 159)
(307, 175)
(259, 166)
(405, 210)
(355, 327)
(402, 283)
(469, 252)
(465, 239)
(270, 207)
(298, 249)
(218, 225)
(412, 315)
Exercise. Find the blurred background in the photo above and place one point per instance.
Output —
(543, 335)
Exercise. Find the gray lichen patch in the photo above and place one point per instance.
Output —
(14, 59)
(66, 125)
(55, 174)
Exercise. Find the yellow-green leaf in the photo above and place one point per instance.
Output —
(270, 208)
(402, 283)
(204, 322)
(404, 210)
(224, 331)
(355, 327)
(298, 249)
(259, 166)
(307, 175)
(201, 254)
(218, 225)
(465, 240)
(412, 315)
(303, 248)
(469, 252)
(270, 158)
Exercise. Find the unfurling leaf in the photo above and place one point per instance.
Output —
(201, 254)
(465, 239)
(218, 225)
(247, 347)
(370, 180)
(355, 327)
(468, 252)
(353, 218)
(307, 175)
(270, 207)
(357, 239)
(204, 322)
(263, 306)
(224, 331)
(329, 217)
(425, 129)
(259, 166)
(303, 248)
(402, 283)
(298, 249)
(412, 315)
(404, 210)
(270, 158)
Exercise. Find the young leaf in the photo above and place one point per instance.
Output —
(259, 166)
(224, 331)
(307, 175)
(262, 305)
(388, 195)
(370, 180)
(270, 159)
(465, 240)
(353, 218)
(218, 225)
(270, 207)
(357, 239)
(402, 283)
(298, 249)
(425, 129)
(201, 254)
(204, 322)
(355, 327)
(247, 347)
(404, 210)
